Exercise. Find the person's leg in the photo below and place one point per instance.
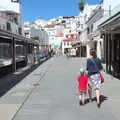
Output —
(98, 97)
(97, 89)
(90, 92)
(83, 99)
(80, 98)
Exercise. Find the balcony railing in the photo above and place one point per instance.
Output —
(107, 16)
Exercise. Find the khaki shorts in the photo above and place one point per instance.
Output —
(82, 93)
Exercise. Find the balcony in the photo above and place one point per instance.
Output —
(107, 16)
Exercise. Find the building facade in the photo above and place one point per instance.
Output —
(11, 17)
(103, 33)
(95, 42)
(37, 34)
(108, 27)
(83, 30)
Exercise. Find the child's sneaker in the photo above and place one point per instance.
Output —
(80, 102)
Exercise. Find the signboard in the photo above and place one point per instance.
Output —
(16, 1)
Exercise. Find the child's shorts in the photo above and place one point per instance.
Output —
(83, 93)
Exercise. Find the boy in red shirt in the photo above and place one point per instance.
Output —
(82, 86)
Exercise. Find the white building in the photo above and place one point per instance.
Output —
(107, 6)
(38, 34)
(84, 16)
(51, 30)
(67, 42)
(58, 29)
(16, 23)
(83, 29)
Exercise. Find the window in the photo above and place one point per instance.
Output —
(20, 31)
(81, 26)
(8, 26)
(91, 28)
(64, 43)
(29, 48)
(5, 54)
(69, 31)
(68, 43)
(79, 33)
(88, 31)
(5, 51)
(20, 51)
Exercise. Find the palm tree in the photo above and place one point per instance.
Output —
(81, 5)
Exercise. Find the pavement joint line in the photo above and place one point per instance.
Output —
(31, 92)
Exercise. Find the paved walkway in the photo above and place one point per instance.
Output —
(50, 93)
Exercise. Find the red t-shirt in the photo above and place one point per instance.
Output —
(82, 83)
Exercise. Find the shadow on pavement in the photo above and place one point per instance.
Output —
(13, 79)
(102, 99)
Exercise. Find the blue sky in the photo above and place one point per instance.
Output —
(47, 9)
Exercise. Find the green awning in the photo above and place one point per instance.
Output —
(56, 46)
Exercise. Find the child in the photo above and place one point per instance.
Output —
(82, 86)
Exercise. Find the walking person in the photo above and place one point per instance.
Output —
(93, 68)
(67, 54)
(82, 86)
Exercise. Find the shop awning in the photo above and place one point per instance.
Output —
(56, 46)
(69, 39)
(60, 35)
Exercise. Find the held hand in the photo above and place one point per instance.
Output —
(86, 73)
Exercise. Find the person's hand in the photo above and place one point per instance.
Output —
(86, 73)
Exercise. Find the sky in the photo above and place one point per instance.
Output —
(47, 9)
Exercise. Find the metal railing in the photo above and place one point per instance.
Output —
(108, 15)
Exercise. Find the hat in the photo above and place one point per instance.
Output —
(82, 70)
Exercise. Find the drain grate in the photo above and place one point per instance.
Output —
(37, 74)
(36, 84)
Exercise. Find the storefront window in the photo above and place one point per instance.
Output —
(20, 52)
(30, 49)
(5, 51)
(5, 54)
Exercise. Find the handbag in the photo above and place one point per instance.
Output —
(101, 76)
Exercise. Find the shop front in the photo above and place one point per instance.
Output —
(111, 32)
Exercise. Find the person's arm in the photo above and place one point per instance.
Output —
(87, 67)
(86, 79)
